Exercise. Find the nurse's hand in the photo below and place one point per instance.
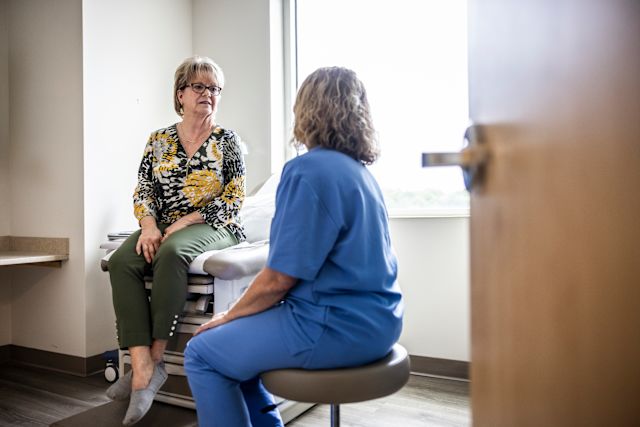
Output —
(216, 320)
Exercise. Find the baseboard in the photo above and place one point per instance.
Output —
(440, 367)
(75, 365)
(5, 353)
(85, 366)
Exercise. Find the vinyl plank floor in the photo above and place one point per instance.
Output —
(424, 401)
(35, 397)
(112, 413)
(38, 397)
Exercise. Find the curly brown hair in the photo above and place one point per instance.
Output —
(332, 111)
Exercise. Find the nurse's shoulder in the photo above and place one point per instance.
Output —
(322, 164)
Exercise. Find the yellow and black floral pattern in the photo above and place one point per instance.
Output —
(212, 181)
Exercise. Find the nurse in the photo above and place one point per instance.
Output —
(328, 296)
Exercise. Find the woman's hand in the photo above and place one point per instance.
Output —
(149, 240)
(216, 320)
(176, 226)
(185, 221)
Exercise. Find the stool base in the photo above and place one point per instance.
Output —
(335, 415)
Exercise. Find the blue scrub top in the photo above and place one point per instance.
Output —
(330, 230)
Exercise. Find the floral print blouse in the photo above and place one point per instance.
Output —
(212, 181)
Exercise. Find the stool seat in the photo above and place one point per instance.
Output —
(345, 385)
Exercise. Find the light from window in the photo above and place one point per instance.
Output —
(412, 57)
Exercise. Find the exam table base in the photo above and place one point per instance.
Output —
(288, 409)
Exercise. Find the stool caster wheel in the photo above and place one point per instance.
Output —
(111, 373)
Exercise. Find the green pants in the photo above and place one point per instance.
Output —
(138, 320)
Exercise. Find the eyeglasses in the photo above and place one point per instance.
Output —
(199, 88)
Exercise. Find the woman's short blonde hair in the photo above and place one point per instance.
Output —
(332, 111)
(188, 70)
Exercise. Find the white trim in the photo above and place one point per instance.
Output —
(278, 99)
(290, 73)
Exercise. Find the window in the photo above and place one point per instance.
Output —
(412, 57)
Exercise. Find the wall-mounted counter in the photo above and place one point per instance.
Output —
(42, 251)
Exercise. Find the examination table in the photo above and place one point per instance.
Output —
(216, 279)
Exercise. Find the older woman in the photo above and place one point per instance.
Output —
(191, 185)
(330, 265)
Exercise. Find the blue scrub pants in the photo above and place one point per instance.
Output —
(223, 365)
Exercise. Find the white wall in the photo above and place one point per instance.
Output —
(45, 153)
(5, 306)
(4, 120)
(433, 252)
(131, 51)
(5, 282)
(237, 35)
(433, 258)
(123, 54)
(88, 82)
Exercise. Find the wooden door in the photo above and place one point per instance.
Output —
(555, 230)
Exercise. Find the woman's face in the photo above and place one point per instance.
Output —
(199, 104)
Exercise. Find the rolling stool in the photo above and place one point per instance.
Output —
(346, 385)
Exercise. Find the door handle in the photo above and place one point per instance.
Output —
(472, 158)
